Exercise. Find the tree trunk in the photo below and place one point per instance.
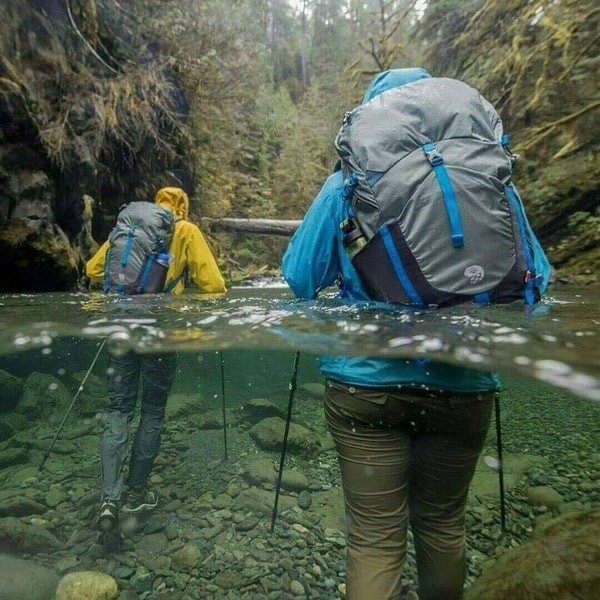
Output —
(259, 226)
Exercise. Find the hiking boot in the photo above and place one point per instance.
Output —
(108, 516)
(110, 535)
(139, 500)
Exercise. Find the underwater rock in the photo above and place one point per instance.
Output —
(212, 419)
(12, 388)
(304, 500)
(25, 537)
(186, 558)
(260, 408)
(260, 470)
(260, 501)
(268, 434)
(543, 495)
(184, 405)
(20, 506)
(13, 456)
(43, 396)
(561, 561)
(87, 585)
(316, 389)
(20, 579)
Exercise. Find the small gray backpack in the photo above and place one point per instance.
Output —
(434, 216)
(138, 253)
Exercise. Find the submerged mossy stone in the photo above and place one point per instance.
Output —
(316, 389)
(256, 409)
(24, 537)
(543, 495)
(20, 579)
(13, 456)
(304, 500)
(44, 397)
(10, 424)
(184, 405)
(12, 388)
(268, 434)
(87, 585)
(186, 558)
(20, 506)
(560, 562)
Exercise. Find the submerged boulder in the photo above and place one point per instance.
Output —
(560, 562)
(87, 585)
(25, 579)
(12, 388)
(43, 395)
(268, 434)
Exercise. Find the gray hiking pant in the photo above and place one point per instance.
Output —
(405, 459)
(156, 373)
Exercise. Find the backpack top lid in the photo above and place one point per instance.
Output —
(381, 143)
(393, 78)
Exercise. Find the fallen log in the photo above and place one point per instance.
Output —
(259, 226)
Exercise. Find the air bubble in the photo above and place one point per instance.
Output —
(119, 343)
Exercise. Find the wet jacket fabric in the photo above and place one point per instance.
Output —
(188, 250)
(316, 259)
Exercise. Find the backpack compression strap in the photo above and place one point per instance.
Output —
(437, 162)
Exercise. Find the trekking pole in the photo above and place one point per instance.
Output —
(222, 363)
(292, 388)
(47, 455)
(500, 465)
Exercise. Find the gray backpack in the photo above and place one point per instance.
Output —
(138, 254)
(434, 217)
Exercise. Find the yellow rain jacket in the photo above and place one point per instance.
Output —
(188, 249)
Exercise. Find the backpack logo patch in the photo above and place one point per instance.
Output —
(474, 274)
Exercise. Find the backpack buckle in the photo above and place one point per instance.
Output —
(433, 156)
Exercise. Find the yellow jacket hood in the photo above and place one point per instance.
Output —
(175, 199)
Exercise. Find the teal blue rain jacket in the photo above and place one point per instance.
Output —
(315, 259)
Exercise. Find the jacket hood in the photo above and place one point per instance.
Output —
(393, 78)
(175, 199)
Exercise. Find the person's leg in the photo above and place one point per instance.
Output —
(444, 451)
(157, 374)
(123, 377)
(373, 457)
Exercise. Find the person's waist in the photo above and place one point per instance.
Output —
(421, 391)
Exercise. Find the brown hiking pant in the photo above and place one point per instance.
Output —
(405, 458)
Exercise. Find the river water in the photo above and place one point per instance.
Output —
(242, 347)
(556, 342)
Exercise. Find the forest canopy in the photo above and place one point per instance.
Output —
(238, 101)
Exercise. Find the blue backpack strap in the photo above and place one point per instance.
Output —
(437, 162)
(515, 202)
(399, 269)
(128, 245)
(144, 275)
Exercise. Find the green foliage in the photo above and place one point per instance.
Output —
(239, 102)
